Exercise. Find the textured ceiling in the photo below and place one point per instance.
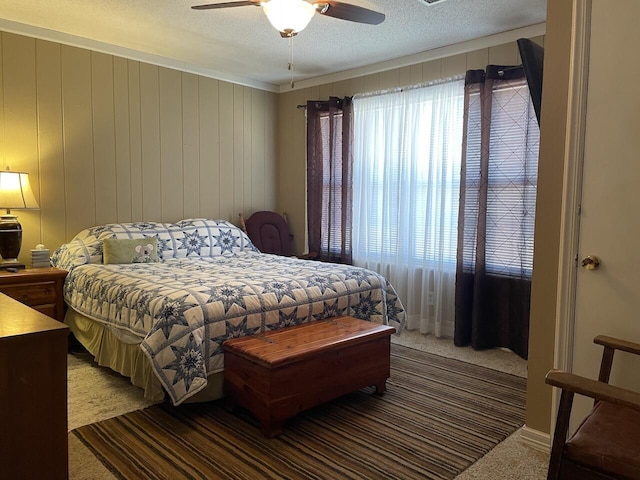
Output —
(240, 41)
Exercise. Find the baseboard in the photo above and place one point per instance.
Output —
(536, 439)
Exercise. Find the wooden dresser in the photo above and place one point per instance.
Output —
(33, 393)
(40, 288)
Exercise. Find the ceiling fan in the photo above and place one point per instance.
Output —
(291, 16)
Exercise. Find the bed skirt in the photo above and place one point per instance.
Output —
(129, 359)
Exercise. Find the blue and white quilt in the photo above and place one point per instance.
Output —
(210, 285)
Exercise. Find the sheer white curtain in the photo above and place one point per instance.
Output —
(406, 185)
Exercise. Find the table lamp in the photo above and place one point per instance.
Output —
(15, 193)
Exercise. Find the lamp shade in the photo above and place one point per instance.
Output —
(15, 191)
(289, 16)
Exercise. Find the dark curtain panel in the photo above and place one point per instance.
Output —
(497, 211)
(329, 164)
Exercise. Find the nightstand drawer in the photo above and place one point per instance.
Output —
(32, 293)
(49, 310)
(39, 288)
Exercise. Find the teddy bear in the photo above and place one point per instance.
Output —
(143, 254)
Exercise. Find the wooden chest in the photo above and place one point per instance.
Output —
(278, 374)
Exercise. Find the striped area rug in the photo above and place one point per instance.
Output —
(437, 417)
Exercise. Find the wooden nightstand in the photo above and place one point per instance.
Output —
(39, 288)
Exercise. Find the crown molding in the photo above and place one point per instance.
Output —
(103, 47)
(428, 55)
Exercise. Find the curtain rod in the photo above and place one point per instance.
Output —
(509, 68)
(411, 87)
(328, 101)
(430, 83)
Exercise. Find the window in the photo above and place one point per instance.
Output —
(332, 186)
(407, 174)
(511, 179)
(329, 178)
(497, 194)
(406, 186)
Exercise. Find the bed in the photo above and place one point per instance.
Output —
(155, 301)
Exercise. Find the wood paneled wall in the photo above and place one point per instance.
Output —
(106, 139)
(292, 158)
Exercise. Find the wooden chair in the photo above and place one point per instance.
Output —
(606, 445)
(269, 232)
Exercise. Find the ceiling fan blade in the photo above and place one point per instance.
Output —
(346, 11)
(211, 6)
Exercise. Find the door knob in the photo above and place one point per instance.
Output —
(590, 262)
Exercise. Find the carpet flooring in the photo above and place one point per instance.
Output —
(437, 417)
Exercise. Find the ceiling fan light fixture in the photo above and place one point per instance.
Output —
(289, 16)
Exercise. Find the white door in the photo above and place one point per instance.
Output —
(608, 298)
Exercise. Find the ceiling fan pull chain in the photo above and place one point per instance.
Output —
(290, 65)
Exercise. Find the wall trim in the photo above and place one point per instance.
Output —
(434, 54)
(103, 47)
(572, 193)
(425, 56)
(536, 439)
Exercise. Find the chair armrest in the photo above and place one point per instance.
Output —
(618, 344)
(594, 389)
